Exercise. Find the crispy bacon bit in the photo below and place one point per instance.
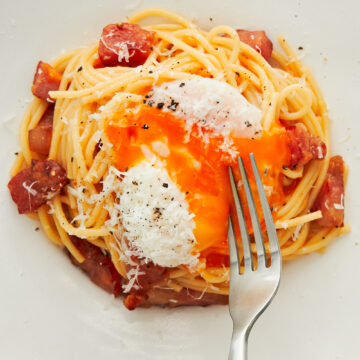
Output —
(40, 136)
(125, 45)
(36, 184)
(132, 301)
(214, 260)
(98, 266)
(304, 146)
(258, 41)
(186, 297)
(46, 79)
(331, 196)
(150, 283)
(149, 275)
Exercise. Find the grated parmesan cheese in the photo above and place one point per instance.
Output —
(320, 154)
(29, 188)
(341, 205)
(150, 216)
(123, 48)
(297, 232)
(132, 276)
(79, 195)
(209, 105)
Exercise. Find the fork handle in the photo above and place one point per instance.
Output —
(238, 347)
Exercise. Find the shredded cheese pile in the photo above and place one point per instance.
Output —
(151, 213)
(210, 104)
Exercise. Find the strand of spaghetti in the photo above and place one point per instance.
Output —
(322, 239)
(216, 276)
(49, 229)
(303, 110)
(294, 174)
(65, 225)
(98, 169)
(284, 224)
(270, 107)
(202, 58)
(298, 242)
(245, 73)
(301, 191)
(316, 187)
(201, 285)
(167, 27)
(111, 247)
(178, 272)
(230, 75)
(68, 243)
(110, 85)
(160, 12)
(95, 214)
(61, 62)
(172, 285)
(201, 40)
(309, 77)
(100, 221)
(17, 164)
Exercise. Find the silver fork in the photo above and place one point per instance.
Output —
(251, 290)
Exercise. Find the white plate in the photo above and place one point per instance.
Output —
(50, 310)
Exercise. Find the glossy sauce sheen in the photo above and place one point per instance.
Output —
(199, 169)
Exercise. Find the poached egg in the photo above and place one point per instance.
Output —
(191, 131)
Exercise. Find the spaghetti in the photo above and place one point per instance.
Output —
(96, 105)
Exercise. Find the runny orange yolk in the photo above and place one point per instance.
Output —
(198, 168)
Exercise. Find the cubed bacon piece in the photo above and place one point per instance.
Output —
(98, 266)
(40, 136)
(331, 196)
(258, 41)
(46, 79)
(186, 297)
(132, 301)
(125, 45)
(143, 278)
(36, 184)
(304, 146)
(152, 290)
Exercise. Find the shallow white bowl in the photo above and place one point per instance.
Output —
(50, 310)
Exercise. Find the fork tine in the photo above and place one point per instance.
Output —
(233, 249)
(270, 227)
(260, 248)
(248, 263)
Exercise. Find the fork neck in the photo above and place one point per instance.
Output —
(239, 344)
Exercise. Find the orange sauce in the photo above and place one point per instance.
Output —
(199, 169)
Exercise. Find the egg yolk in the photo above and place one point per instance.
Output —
(200, 168)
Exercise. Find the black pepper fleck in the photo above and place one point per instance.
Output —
(247, 123)
(173, 105)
